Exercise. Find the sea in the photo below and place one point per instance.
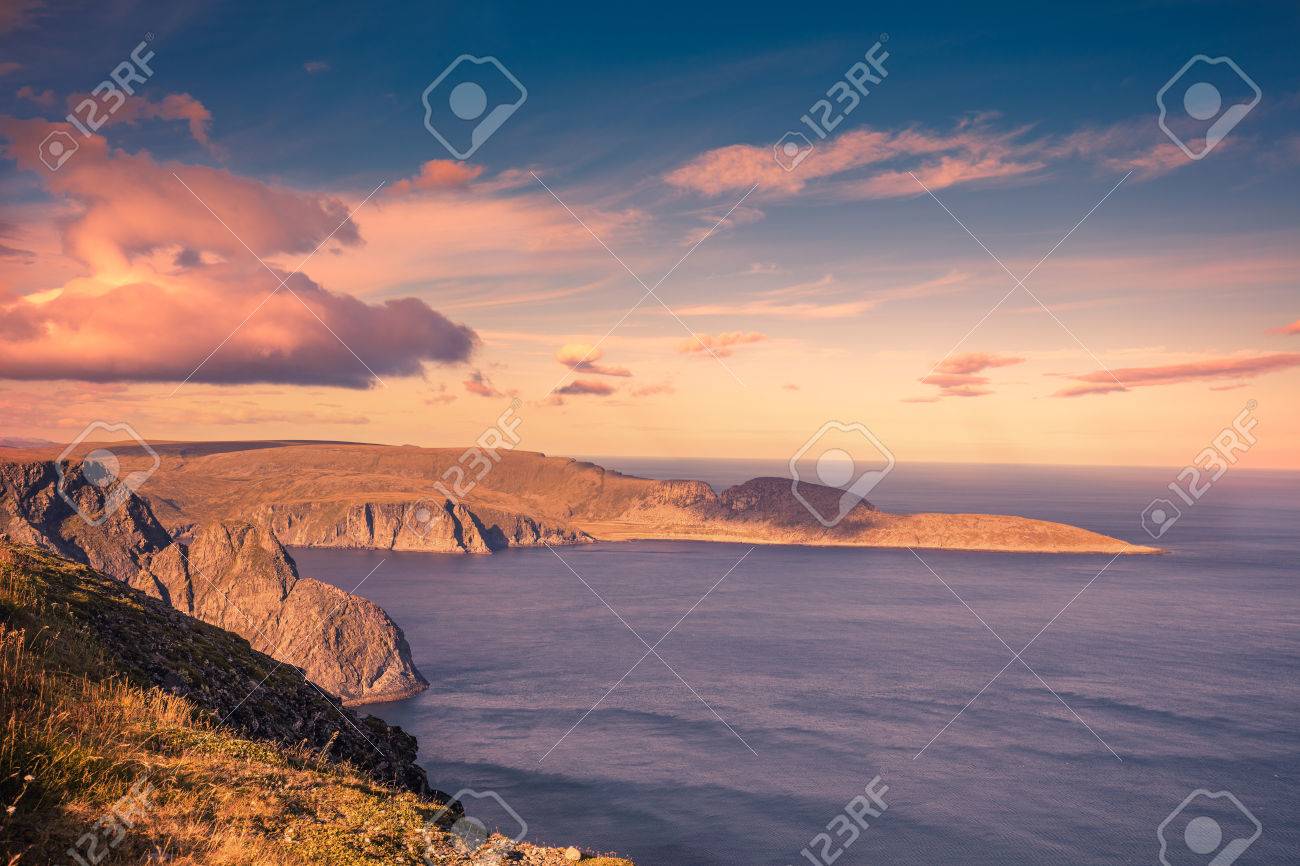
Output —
(818, 706)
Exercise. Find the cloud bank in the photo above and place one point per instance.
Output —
(164, 284)
(1236, 368)
(959, 375)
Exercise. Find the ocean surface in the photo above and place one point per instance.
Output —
(805, 673)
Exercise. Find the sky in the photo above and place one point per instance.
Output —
(999, 252)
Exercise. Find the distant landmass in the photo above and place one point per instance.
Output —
(333, 494)
(207, 532)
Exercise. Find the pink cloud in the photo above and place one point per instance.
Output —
(1237, 368)
(870, 163)
(586, 386)
(958, 376)
(652, 390)
(479, 384)
(1293, 328)
(438, 174)
(131, 205)
(479, 243)
(1121, 147)
(975, 362)
(174, 106)
(15, 14)
(585, 359)
(972, 151)
(9, 232)
(947, 171)
(44, 98)
(162, 283)
(722, 344)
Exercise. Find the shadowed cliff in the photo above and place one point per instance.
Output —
(233, 574)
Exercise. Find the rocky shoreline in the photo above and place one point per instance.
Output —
(233, 574)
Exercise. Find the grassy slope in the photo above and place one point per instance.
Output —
(76, 734)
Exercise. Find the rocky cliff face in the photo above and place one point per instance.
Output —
(338, 494)
(434, 525)
(234, 574)
(153, 644)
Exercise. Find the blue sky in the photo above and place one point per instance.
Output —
(1186, 264)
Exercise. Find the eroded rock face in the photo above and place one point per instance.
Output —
(773, 499)
(433, 525)
(154, 644)
(234, 574)
(239, 577)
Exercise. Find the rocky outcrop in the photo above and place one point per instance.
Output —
(773, 500)
(432, 525)
(234, 574)
(33, 511)
(238, 576)
(153, 644)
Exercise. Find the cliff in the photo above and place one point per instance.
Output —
(234, 574)
(437, 526)
(130, 729)
(342, 494)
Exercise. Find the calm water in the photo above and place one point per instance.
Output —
(835, 666)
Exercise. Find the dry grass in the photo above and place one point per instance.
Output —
(74, 738)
